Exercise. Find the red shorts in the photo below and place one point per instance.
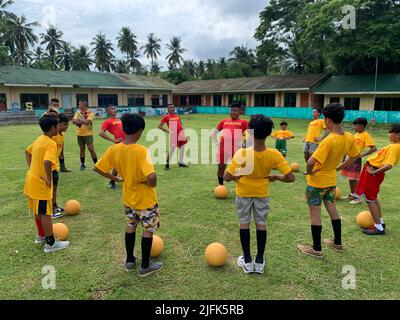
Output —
(225, 154)
(178, 141)
(369, 185)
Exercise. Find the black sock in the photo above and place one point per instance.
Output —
(146, 249)
(112, 182)
(221, 180)
(245, 240)
(316, 234)
(130, 246)
(62, 162)
(261, 243)
(82, 160)
(94, 160)
(337, 230)
(50, 240)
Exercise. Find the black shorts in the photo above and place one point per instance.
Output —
(55, 178)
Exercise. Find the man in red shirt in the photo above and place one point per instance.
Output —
(233, 130)
(113, 126)
(177, 136)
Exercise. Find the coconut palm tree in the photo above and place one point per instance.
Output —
(120, 66)
(18, 36)
(243, 54)
(152, 48)
(53, 42)
(81, 59)
(64, 56)
(134, 62)
(4, 4)
(127, 42)
(37, 56)
(155, 68)
(103, 53)
(175, 57)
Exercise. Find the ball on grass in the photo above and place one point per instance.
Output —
(295, 167)
(338, 193)
(216, 254)
(60, 231)
(157, 247)
(72, 208)
(364, 220)
(221, 192)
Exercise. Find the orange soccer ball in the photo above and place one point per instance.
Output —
(157, 247)
(364, 220)
(60, 231)
(72, 208)
(338, 193)
(216, 255)
(295, 167)
(221, 192)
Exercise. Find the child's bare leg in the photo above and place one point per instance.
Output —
(54, 196)
(47, 225)
(92, 152)
(245, 241)
(336, 221)
(375, 209)
(353, 185)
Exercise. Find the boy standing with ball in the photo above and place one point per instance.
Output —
(133, 163)
(251, 170)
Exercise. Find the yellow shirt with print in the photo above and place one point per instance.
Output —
(134, 165)
(314, 130)
(43, 149)
(84, 130)
(59, 139)
(363, 140)
(283, 134)
(256, 167)
(388, 155)
(329, 155)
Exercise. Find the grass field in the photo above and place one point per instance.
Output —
(92, 268)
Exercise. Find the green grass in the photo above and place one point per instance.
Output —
(92, 268)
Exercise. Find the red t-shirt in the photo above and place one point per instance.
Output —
(173, 120)
(232, 130)
(114, 126)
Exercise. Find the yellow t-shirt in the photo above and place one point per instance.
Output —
(283, 134)
(363, 140)
(43, 149)
(59, 139)
(388, 155)
(314, 130)
(84, 130)
(133, 163)
(329, 155)
(254, 183)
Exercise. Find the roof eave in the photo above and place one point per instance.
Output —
(243, 91)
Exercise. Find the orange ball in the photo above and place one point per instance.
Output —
(364, 220)
(295, 167)
(60, 231)
(216, 255)
(72, 208)
(157, 248)
(221, 192)
(338, 193)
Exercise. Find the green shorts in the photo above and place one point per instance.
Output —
(281, 146)
(85, 140)
(315, 196)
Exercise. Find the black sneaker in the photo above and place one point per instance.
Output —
(130, 266)
(153, 267)
(182, 165)
(374, 232)
(111, 184)
(167, 168)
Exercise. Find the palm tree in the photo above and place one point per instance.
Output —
(127, 42)
(189, 66)
(243, 54)
(152, 48)
(64, 56)
(134, 62)
(18, 36)
(81, 60)
(175, 57)
(120, 66)
(155, 68)
(52, 38)
(102, 50)
(37, 57)
(4, 4)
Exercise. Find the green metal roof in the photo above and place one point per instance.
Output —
(20, 76)
(270, 83)
(387, 83)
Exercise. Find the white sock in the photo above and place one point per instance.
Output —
(182, 155)
(379, 227)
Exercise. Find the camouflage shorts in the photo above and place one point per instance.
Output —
(315, 196)
(149, 218)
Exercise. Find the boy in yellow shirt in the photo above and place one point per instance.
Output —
(133, 162)
(41, 156)
(83, 120)
(316, 133)
(282, 136)
(373, 176)
(321, 178)
(251, 170)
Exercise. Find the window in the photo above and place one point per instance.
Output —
(39, 101)
(135, 100)
(3, 102)
(387, 104)
(182, 101)
(217, 100)
(334, 100)
(165, 100)
(80, 97)
(106, 99)
(352, 103)
(264, 100)
(238, 97)
(290, 100)
(155, 100)
(194, 100)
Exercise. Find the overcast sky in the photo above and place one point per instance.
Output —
(208, 28)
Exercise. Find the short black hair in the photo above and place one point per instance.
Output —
(261, 125)
(395, 128)
(236, 104)
(132, 123)
(318, 109)
(62, 118)
(48, 121)
(83, 100)
(335, 112)
(284, 123)
(109, 106)
(55, 100)
(171, 104)
(362, 121)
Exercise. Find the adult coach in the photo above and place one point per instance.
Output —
(83, 120)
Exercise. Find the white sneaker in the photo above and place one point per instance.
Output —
(57, 246)
(259, 267)
(356, 201)
(40, 240)
(247, 267)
